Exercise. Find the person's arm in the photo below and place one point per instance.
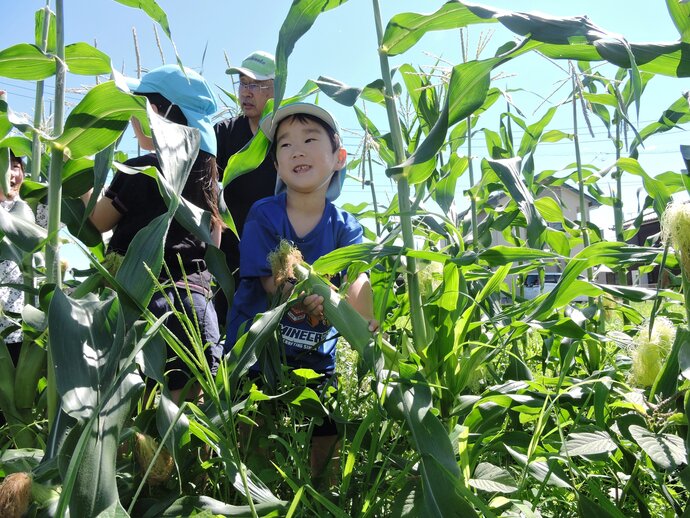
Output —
(361, 297)
(104, 215)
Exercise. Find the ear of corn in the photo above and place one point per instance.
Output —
(349, 323)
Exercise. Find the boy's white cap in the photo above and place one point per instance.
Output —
(269, 125)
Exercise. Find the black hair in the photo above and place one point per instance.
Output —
(14, 159)
(303, 118)
(205, 162)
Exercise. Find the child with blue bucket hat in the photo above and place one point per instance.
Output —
(132, 201)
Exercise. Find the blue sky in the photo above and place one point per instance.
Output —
(342, 45)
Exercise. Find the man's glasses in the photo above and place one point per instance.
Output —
(252, 87)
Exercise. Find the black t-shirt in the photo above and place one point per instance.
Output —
(137, 198)
(240, 194)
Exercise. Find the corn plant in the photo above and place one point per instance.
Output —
(467, 406)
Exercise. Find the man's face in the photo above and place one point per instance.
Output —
(253, 95)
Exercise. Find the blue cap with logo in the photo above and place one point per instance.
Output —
(189, 91)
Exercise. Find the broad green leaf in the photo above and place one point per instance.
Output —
(467, 92)
(548, 472)
(98, 120)
(502, 254)
(247, 159)
(509, 173)
(444, 193)
(5, 169)
(83, 335)
(588, 443)
(438, 469)
(533, 133)
(19, 227)
(5, 124)
(656, 190)
(666, 382)
(157, 14)
(492, 479)
(197, 505)
(83, 59)
(674, 115)
(680, 14)
(246, 350)
(405, 29)
(39, 28)
(169, 416)
(299, 19)
(451, 279)
(338, 91)
(176, 147)
(114, 511)
(666, 450)
(218, 266)
(27, 62)
(588, 508)
(611, 254)
(73, 215)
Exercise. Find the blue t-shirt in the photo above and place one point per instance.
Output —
(267, 223)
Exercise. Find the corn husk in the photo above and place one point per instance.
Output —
(15, 495)
(145, 448)
(650, 351)
(675, 230)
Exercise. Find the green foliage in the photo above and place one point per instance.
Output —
(474, 400)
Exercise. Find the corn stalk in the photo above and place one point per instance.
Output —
(38, 103)
(416, 313)
(55, 192)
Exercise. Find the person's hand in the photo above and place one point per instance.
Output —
(312, 305)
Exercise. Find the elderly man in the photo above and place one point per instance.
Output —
(255, 88)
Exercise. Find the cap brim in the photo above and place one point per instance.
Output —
(334, 187)
(249, 73)
(202, 122)
(270, 123)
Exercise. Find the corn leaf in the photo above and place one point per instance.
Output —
(39, 24)
(299, 19)
(86, 60)
(151, 8)
(98, 120)
(680, 14)
(509, 173)
(27, 62)
(19, 227)
(467, 92)
(192, 505)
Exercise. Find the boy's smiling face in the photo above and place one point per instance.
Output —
(305, 158)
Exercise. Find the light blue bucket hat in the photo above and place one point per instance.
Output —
(270, 123)
(189, 91)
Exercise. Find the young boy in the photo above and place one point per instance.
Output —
(310, 161)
